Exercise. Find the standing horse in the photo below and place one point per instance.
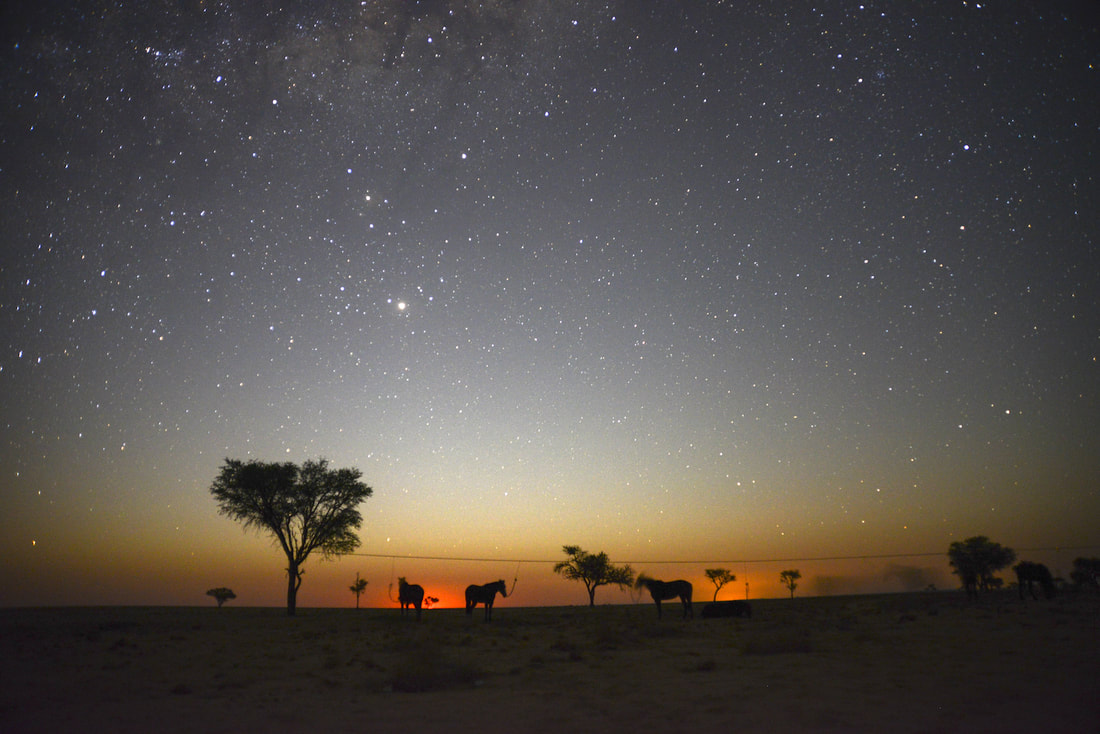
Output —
(1029, 573)
(484, 595)
(410, 595)
(661, 590)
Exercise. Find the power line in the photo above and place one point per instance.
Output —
(696, 562)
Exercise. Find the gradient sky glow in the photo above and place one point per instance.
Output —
(673, 280)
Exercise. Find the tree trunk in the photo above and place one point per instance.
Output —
(293, 581)
(592, 597)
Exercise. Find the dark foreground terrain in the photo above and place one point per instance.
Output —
(929, 662)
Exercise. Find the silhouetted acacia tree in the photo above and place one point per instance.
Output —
(976, 559)
(594, 570)
(221, 595)
(305, 508)
(358, 588)
(789, 578)
(1085, 573)
(719, 577)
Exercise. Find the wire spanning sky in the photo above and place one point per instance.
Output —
(665, 279)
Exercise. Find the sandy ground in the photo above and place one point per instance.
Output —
(929, 662)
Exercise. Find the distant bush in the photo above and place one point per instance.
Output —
(221, 595)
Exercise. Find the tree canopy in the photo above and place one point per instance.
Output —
(789, 578)
(221, 595)
(719, 577)
(305, 509)
(358, 588)
(976, 559)
(1085, 572)
(594, 569)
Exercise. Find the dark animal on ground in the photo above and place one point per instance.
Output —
(726, 609)
(410, 595)
(484, 595)
(1029, 573)
(661, 590)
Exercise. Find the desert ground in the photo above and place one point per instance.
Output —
(922, 662)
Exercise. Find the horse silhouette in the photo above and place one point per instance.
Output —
(484, 595)
(1029, 573)
(409, 595)
(661, 590)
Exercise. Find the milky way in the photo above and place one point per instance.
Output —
(655, 278)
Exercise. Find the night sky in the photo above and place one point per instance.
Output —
(701, 282)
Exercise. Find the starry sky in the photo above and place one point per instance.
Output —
(693, 283)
